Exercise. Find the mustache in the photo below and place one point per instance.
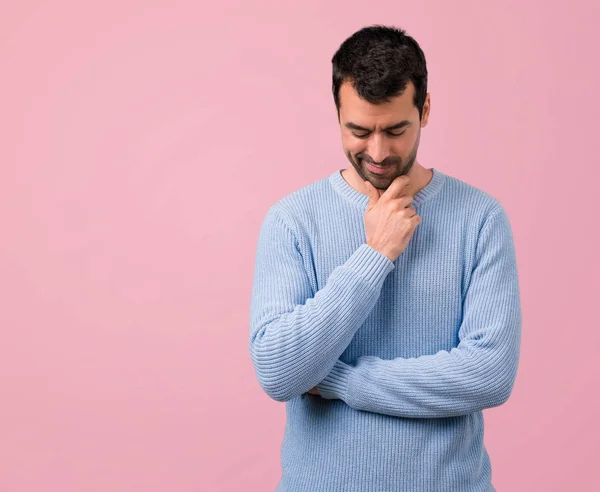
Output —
(390, 161)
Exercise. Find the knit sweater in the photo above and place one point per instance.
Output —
(406, 354)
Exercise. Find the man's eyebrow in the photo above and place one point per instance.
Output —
(395, 126)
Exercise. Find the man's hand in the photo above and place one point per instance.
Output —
(390, 219)
(314, 391)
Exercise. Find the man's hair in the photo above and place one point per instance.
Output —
(379, 61)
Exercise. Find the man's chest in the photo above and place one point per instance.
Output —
(419, 309)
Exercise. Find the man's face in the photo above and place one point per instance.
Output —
(370, 134)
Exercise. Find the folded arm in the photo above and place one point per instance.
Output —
(479, 373)
(297, 336)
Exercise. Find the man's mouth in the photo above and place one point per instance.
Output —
(377, 169)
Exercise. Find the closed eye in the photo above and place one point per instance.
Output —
(365, 135)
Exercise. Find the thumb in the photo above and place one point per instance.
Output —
(373, 194)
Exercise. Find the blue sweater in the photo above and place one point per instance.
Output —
(406, 354)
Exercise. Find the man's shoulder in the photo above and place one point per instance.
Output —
(305, 201)
(469, 198)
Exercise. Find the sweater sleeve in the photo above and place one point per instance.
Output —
(479, 373)
(296, 335)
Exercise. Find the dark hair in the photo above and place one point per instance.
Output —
(379, 61)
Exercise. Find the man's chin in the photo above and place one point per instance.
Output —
(382, 178)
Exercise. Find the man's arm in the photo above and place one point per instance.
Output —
(297, 337)
(479, 373)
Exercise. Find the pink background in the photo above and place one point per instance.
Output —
(141, 145)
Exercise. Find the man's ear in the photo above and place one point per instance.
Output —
(426, 110)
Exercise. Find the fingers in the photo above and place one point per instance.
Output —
(398, 187)
(405, 201)
(373, 194)
(409, 212)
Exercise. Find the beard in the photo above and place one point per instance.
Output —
(383, 182)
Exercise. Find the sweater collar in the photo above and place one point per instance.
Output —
(356, 197)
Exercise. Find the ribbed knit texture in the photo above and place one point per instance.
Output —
(405, 354)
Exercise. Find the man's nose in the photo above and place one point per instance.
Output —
(378, 148)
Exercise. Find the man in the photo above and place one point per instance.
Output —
(385, 306)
